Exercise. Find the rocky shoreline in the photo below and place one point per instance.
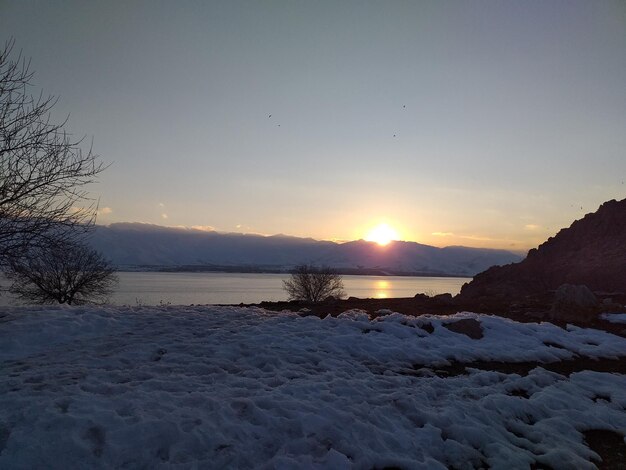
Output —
(532, 309)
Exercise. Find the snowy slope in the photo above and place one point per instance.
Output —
(209, 387)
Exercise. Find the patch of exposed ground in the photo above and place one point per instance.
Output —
(566, 367)
(610, 446)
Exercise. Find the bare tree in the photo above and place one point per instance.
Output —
(43, 171)
(313, 284)
(63, 272)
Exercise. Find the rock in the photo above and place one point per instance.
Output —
(592, 251)
(466, 326)
(427, 327)
(574, 303)
(421, 296)
(444, 299)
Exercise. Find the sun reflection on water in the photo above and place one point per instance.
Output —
(382, 289)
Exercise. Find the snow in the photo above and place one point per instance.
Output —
(614, 317)
(197, 387)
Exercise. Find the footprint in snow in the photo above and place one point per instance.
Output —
(158, 354)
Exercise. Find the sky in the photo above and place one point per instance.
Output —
(476, 123)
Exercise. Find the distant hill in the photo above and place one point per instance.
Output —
(144, 246)
(592, 251)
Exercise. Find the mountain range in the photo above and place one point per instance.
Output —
(135, 246)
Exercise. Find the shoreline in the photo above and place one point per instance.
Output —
(536, 310)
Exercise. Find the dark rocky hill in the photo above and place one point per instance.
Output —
(592, 251)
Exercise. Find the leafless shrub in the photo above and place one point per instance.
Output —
(313, 284)
(63, 272)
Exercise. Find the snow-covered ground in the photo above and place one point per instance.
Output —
(209, 387)
(614, 317)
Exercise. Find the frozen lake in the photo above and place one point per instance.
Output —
(152, 288)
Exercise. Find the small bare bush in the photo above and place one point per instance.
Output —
(62, 272)
(313, 284)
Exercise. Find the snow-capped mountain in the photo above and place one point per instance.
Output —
(153, 246)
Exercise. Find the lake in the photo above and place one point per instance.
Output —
(152, 288)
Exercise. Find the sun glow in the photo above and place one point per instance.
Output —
(382, 234)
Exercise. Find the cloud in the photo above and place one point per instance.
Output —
(105, 211)
(204, 228)
(531, 227)
(465, 237)
(164, 215)
(161, 204)
(481, 239)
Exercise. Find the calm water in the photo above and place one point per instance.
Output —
(151, 288)
(221, 288)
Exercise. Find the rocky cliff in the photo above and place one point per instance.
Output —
(592, 251)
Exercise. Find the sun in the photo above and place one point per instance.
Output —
(382, 234)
